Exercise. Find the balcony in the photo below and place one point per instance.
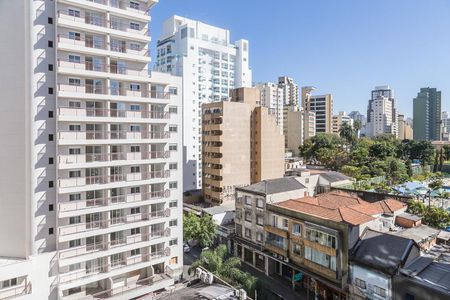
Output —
(80, 136)
(100, 224)
(91, 112)
(73, 159)
(111, 201)
(15, 291)
(105, 179)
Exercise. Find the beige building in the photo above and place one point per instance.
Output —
(242, 144)
(322, 106)
(405, 131)
(339, 120)
(297, 126)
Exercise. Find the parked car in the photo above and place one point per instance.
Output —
(186, 248)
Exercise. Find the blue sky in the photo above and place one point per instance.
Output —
(343, 47)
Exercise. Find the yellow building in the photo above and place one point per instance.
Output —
(242, 144)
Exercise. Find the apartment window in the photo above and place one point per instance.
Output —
(74, 59)
(135, 87)
(50, 114)
(173, 203)
(248, 216)
(75, 81)
(135, 107)
(173, 128)
(173, 260)
(135, 128)
(74, 127)
(135, 210)
(173, 90)
(50, 184)
(51, 231)
(297, 249)
(173, 166)
(50, 160)
(173, 222)
(135, 149)
(259, 237)
(306, 180)
(134, 26)
(75, 220)
(74, 243)
(74, 104)
(8, 283)
(50, 91)
(173, 109)
(74, 12)
(74, 151)
(320, 258)
(135, 169)
(285, 223)
(50, 67)
(173, 185)
(74, 197)
(173, 242)
(321, 237)
(51, 207)
(248, 200)
(135, 190)
(296, 229)
(135, 47)
(135, 252)
(260, 220)
(134, 231)
(173, 147)
(379, 291)
(260, 203)
(134, 5)
(50, 44)
(50, 20)
(248, 233)
(360, 283)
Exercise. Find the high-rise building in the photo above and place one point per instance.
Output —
(272, 97)
(242, 144)
(322, 106)
(357, 116)
(290, 91)
(445, 115)
(405, 131)
(427, 115)
(91, 202)
(298, 126)
(382, 112)
(210, 66)
(339, 119)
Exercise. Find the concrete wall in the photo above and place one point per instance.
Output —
(372, 278)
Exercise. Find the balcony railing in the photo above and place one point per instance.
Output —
(100, 224)
(116, 156)
(104, 245)
(15, 291)
(102, 67)
(125, 5)
(106, 267)
(110, 201)
(105, 179)
(112, 135)
(113, 113)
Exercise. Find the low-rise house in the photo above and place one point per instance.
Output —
(374, 261)
(425, 236)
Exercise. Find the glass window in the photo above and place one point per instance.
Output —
(134, 26)
(74, 36)
(74, 243)
(74, 59)
(297, 249)
(135, 149)
(135, 190)
(173, 185)
(173, 203)
(360, 283)
(320, 258)
(135, 210)
(173, 242)
(173, 222)
(74, 13)
(296, 229)
(260, 203)
(135, 231)
(135, 252)
(135, 107)
(74, 151)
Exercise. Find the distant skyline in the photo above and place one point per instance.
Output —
(342, 47)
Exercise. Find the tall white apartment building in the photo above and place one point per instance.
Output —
(340, 119)
(382, 112)
(90, 196)
(272, 97)
(290, 91)
(210, 66)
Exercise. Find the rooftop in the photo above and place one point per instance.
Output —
(409, 216)
(273, 186)
(341, 207)
(332, 176)
(419, 233)
(373, 247)
(203, 291)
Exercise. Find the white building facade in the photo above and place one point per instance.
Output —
(339, 119)
(95, 208)
(382, 113)
(210, 66)
(272, 97)
(290, 91)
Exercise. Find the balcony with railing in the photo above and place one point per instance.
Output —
(107, 223)
(105, 179)
(15, 291)
(111, 135)
(112, 113)
(72, 159)
(138, 8)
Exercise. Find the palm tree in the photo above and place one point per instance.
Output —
(416, 208)
(346, 132)
(357, 125)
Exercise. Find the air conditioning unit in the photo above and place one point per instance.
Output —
(209, 278)
(198, 272)
(242, 294)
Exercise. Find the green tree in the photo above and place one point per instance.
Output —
(416, 207)
(446, 149)
(352, 171)
(357, 125)
(202, 229)
(346, 132)
(190, 225)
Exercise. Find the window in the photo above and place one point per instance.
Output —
(260, 203)
(135, 169)
(50, 20)
(74, 104)
(74, 243)
(50, 137)
(135, 107)
(135, 87)
(50, 44)
(248, 233)
(135, 128)
(173, 109)
(173, 185)
(260, 220)
(74, 36)
(173, 222)
(74, 197)
(173, 90)
(173, 242)
(173, 128)
(50, 114)
(135, 252)
(173, 147)
(74, 151)
(297, 249)
(51, 184)
(50, 91)
(173, 203)
(259, 237)
(134, 5)
(285, 223)
(74, 13)
(135, 190)
(135, 149)
(51, 207)
(134, 26)
(320, 258)
(296, 229)
(75, 220)
(135, 231)
(8, 283)
(306, 180)
(173, 166)
(135, 47)
(360, 283)
(321, 237)
(248, 216)
(50, 67)
(51, 231)
(74, 59)
(248, 200)
(379, 291)
(74, 81)
(74, 127)
(135, 210)
(50, 160)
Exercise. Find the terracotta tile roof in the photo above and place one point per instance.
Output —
(342, 207)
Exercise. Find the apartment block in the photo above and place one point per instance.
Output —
(290, 91)
(272, 97)
(241, 144)
(340, 119)
(298, 126)
(322, 106)
(427, 115)
(94, 208)
(210, 65)
(382, 112)
(405, 131)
